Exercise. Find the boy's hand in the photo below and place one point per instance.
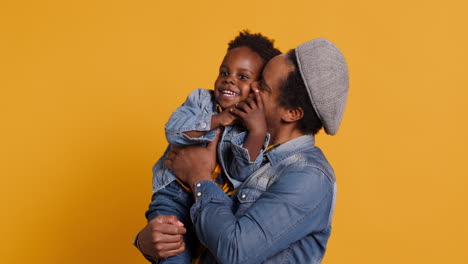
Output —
(226, 118)
(250, 111)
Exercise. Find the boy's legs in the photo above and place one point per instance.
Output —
(173, 199)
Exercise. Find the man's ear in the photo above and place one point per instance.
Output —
(293, 114)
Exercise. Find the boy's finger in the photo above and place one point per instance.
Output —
(238, 112)
(241, 106)
(250, 103)
(254, 86)
(259, 100)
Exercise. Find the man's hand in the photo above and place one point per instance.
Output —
(193, 163)
(162, 237)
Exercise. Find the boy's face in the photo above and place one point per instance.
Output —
(241, 66)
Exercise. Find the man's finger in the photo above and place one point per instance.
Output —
(167, 219)
(159, 237)
(168, 229)
(174, 250)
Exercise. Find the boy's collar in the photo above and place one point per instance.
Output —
(219, 109)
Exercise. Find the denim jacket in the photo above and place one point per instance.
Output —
(195, 114)
(169, 198)
(281, 214)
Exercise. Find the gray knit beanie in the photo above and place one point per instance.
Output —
(325, 74)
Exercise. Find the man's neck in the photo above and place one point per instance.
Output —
(284, 133)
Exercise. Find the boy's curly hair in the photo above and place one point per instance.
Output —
(258, 43)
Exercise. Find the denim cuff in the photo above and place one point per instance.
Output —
(202, 123)
(207, 192)
(206, 138)
(241, 153)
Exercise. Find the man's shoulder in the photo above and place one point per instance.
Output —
(314, 157)
(309, 160)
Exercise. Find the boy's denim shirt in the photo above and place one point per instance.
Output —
(195, 114)
(169, 198)
(282, 213)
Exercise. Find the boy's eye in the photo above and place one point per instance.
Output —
(243, 77)
(223, 73)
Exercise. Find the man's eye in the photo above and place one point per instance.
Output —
(243, 77)
(223, 73)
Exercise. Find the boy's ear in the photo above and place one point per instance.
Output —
(293, 114)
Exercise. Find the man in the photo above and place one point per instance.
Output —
(283, 212)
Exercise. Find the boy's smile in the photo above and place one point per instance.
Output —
(241, 66)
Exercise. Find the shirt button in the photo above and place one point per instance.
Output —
(198, 184)
(243, 196)
(198, 194)
(203, 125)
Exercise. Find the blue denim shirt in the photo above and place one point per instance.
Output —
(195, 114)
(169, 198)
(281, 214)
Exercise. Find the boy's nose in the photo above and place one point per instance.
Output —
(229, 79)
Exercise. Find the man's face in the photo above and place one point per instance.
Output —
(275, 73)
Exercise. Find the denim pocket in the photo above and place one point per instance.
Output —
(246, 198)
(248, 195)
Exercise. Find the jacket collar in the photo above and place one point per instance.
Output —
(291, 147)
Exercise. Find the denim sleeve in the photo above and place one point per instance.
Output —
(174, 200)
(241, 167)
(298, 204)
(193, 115)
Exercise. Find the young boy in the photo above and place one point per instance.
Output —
(240, 149)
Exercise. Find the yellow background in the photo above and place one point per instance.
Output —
(86, 87)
